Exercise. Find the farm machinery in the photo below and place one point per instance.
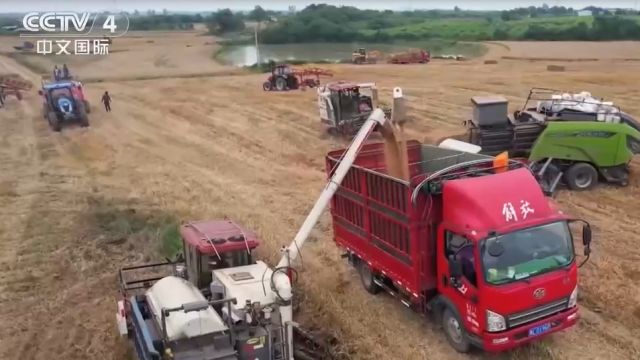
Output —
(570, 139)
(13, 84)
(344, 106)
(284, 77)
(412, 56)
(64, 101)
(362, 56)
(218, 302)
(469, 239)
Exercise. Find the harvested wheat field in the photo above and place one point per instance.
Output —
(77, 205)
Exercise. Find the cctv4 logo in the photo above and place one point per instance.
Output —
(63, 22)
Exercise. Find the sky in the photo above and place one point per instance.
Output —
(211, 5)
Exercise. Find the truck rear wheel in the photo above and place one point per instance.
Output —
(455, 332)
(366, 277)
(581, 176)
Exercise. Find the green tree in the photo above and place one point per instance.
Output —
(224, 21)
(258, 14)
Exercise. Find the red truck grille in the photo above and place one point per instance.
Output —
(536, 313)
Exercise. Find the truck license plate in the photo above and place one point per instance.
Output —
(540, 329)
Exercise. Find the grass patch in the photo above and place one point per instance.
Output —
(170, 240)
(141, 229)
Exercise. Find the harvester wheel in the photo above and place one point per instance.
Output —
(266, 86)
(455, 332)
(581, 176)
(366, 276)
(54, 122)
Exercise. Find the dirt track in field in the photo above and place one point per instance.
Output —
(213, 147)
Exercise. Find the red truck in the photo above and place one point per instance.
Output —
(474, 243)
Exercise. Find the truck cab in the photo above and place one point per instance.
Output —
(468, 237)
(506, 261)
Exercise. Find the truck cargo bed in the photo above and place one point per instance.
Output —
(374, 217)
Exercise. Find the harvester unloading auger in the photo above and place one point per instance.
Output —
(221, 303)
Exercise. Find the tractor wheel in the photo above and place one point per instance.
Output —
(281, 84)
(266, 86)
(84, 119)
(87, 106)
(366, 277)
(581, 176)
(54, 122)
(455, 332)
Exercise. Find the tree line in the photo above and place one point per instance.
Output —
(327, 23)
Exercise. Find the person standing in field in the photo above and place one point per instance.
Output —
(65, 72)
(56, 73)
(106, 100)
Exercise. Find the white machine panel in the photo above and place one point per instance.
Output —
(172, 292)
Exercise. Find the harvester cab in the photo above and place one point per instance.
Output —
(344, 106)
(565, 141)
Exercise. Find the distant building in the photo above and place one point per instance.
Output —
(585, 13)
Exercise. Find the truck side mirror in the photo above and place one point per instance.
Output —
(586, 239)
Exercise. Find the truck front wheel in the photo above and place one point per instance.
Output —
(581, 176)
(366, 277)
(454, 331)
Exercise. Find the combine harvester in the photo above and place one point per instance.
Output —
(221, 303)
(571, 139)
(345, 106)
(283, 78)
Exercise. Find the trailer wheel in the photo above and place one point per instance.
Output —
(366, 277)
(581, 176)
(455, 332)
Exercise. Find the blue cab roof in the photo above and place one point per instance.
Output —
(57, 85)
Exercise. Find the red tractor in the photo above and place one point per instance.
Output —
(283, 77)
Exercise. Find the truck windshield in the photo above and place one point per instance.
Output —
(527, 253)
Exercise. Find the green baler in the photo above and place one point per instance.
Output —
(578, 152)
(585, 151)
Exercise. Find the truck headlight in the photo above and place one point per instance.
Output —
(495, 322)
(573, 299)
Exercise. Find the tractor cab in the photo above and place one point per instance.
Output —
(214, 245)
(345, 106)
(64, 101)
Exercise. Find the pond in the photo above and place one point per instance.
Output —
(245, 55)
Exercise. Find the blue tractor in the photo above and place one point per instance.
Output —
(64, 101)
